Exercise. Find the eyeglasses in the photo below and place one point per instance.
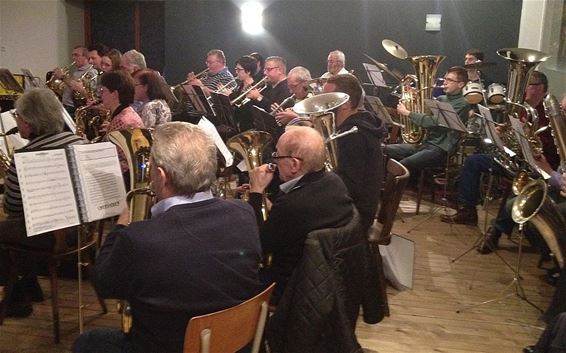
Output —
(237, 69)
(535, 84)
(275, 155)
(103, 89)
(446, 79)
(16, 115)
(268, 69)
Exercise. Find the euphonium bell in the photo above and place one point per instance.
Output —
(250, 145)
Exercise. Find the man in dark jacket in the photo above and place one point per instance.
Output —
(359, 154)
(310, 198)
(196, 255)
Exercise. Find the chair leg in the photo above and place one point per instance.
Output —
(420, 191)
(54, 300)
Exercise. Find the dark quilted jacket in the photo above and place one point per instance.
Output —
(320, 305)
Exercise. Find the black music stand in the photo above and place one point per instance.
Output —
(375, 75)
(448, 118)
(202, 106)
(33, 81)
(263, 121)
(375, 105)
(224, 110)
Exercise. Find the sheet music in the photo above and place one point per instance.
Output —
(491, 132)
(375, 75)
(102, 191)
(47, 191)
(525, 145)
(379, 109)
(447, 116)
(211, 131)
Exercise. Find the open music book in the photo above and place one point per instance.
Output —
(66, 187)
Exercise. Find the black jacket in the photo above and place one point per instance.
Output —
(360, 162)
(320, 306)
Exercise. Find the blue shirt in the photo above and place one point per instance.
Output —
(169, 202)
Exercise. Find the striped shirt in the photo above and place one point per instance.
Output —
(12, 196)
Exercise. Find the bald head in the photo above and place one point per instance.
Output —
(304, 143)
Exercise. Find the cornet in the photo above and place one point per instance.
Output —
(242, 100)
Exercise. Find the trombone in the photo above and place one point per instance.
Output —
(242, 100)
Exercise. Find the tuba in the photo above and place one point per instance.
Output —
(57, 85)
(534, 205)
(250, 145)
(136, 145)
(319, 109)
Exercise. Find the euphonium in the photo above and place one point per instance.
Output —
(534, 205)
(250, 145)
(136, 145)
(426, 67)
(57, 85)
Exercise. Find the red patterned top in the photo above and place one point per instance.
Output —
(126, 119)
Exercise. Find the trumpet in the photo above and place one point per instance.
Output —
(195, 77)
(225, 86)
(242, 100)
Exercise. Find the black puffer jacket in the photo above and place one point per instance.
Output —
(320, 306)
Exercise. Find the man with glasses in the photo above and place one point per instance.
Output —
(217, 76)
(296, 81)
(439, 141)
(275, 71)
(476, 164)
(309, 198)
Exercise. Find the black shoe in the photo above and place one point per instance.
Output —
(490, 241)
(529, 349)
(465, 215)
(19, 309)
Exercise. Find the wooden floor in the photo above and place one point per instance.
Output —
(423, 319)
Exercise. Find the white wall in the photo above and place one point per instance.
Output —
(540, 30)
(39, 35)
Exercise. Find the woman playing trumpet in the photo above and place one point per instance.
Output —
(245, 68)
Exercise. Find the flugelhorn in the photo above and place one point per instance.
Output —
(57, 85)
(241, 100)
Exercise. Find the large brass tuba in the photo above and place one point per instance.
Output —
(319, 109)
(250, 145)
(136, 145)
(424, 79)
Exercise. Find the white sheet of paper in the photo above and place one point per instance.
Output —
(211, 131)
(47, 191)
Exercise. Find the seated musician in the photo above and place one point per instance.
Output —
(40, 120)
(132, 60)
(275, 71)
(439, 141)
(151, 89)
(476, 164)
(245, 68)
(360, 156)
(196, 255)
(217, 76)
(309, 198)
(335, 64)
(297, 82)
(111, 61)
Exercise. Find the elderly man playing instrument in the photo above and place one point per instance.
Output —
(189, 259)
(335, 64)
(39, 118)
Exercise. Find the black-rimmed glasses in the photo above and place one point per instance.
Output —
(275, 155)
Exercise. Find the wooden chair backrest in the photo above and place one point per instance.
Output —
(229, 330)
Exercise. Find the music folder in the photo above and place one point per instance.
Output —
(69, 186)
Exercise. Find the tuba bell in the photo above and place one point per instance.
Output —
(136, 145)
(250, 145)
(319, 109)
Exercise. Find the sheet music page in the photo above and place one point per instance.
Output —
(490, 129)
(526, 147)
(211, 131)
(101, 180)
(452, 118)
(47, 191)
(375, 75)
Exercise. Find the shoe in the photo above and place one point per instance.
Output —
(529, 349)
(490, 241)
(465, 215)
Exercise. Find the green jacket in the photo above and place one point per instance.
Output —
(440, 136)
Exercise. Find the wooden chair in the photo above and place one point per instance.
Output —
(53, 257)
(396, 180)
(229, 330)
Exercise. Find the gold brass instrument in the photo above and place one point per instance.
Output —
(57, 85)
(195, 77)
(225, 86)
(534, 205)
(242, 100)
(86, 79)
(319, 109)
(250, 145)
(89, 120)
(136, 145)
(5, 158)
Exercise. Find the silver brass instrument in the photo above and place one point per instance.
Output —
(319, 109)
(534, 205)
(57, 85)
(242, 100)
(136, 145)
(558, 126)
(195, 77)
(250, 145)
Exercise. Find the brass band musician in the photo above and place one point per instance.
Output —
(335, 64)
(297, 79)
